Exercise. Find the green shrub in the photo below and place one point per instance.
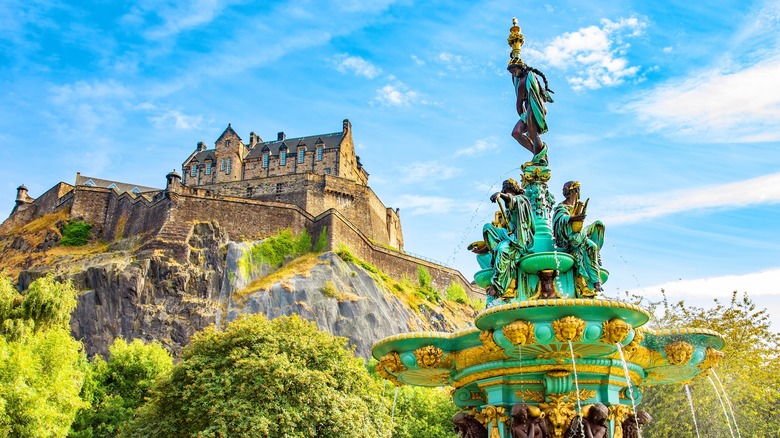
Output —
(75, 233)
(455, 292)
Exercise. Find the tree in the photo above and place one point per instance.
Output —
(279, 378)
(118, 386)
(750, 373)
(42, 367)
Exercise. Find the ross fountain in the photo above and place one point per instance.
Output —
(547, 357)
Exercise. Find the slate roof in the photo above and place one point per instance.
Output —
(328, 141)
(121, 187)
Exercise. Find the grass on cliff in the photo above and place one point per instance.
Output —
(420, 294)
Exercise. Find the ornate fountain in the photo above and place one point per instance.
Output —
(547, 357)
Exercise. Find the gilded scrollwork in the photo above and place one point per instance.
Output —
(615, 331)
(530, 395)
(390, 366)
(519, 332)
(559, 412)
(712, 358)
(679, 353)
(568, 328)
(428, 356)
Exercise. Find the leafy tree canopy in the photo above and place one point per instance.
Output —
(42, 367)
(265, 378)
(750, 374)
(118, 386)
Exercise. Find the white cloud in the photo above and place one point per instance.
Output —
(356, 65)
(480, 146)
(716, 105)
(396, 94)
(755, 284)
(596, 54)
(428, 171)
(761, 190)
(177, 120)
(417, 205)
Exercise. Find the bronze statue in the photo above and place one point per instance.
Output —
(524, 425)
(510, 243)
(584, 244)
(633, 425)
(530, 105)
(467, 426)
(594, 425)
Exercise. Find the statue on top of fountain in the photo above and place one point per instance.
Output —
(531, 99)
(584, 244)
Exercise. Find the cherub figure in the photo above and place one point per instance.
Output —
(467, 426)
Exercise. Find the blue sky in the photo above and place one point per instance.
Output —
(668, 112)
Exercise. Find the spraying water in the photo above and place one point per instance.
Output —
(577, 387)
(728, 420)
(726, 396)
(629, 390)
(693, 413)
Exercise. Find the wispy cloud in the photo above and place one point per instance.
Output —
(761, 190)
(176, 119)
(418, 205)
(716, 105)
(595, 53)
(357, 65)
(428, 171)
(396, 94)
(755, 283)
(479, 147)
(177, 16)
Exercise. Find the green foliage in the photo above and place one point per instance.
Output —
(322, 241)
(329, 289)
(117, 387)
(455, 292)
(274, 251)
(750, 373)
(41, 366)
(426, 284)
(265, 378)
(76, 233)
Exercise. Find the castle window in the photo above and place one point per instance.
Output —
(266, 157)
(319, 153)
(208, 168)
(228, 165)
(193, 170)
(282, 158)
(223, 165)
(301, 153)
(327, 171)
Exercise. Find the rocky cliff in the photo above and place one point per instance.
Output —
(167, 294)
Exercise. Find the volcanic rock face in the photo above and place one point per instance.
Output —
(168, 295)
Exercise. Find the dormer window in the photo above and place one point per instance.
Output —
(266, 157)
(319, 153)
(301, 153)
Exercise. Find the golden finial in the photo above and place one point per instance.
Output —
(515, 41)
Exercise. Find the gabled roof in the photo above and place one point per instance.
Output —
(228, 132)
(121, 187)
(327, 141)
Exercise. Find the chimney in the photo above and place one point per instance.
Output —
(281, 136)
